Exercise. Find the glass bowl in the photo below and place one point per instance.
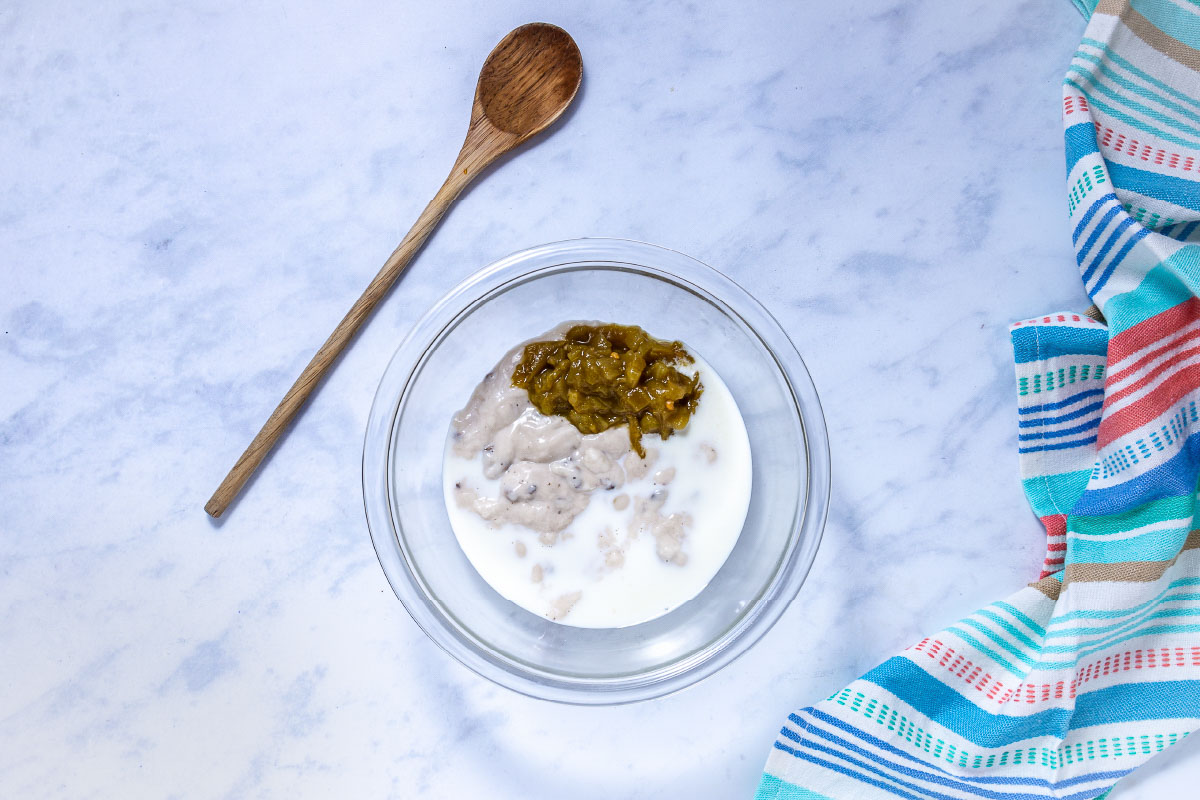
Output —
(450, 350)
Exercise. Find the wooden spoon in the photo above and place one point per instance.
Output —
(526, 83)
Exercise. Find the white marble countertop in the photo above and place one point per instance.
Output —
(191, 198)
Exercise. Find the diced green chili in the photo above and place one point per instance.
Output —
(600, 376)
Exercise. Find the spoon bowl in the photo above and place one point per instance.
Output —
(529, 79)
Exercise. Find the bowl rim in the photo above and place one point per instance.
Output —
(687, 670)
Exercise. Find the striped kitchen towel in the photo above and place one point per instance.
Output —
(1071, 683)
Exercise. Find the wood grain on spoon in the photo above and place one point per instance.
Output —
(526, 83)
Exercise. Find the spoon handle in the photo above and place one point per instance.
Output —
(323, 360)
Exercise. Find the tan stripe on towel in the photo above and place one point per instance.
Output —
(1145, 30)
(1048, 586)
(1127, 570)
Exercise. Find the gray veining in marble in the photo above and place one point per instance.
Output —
(192, 194)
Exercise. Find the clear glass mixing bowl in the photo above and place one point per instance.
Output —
(433, 373)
